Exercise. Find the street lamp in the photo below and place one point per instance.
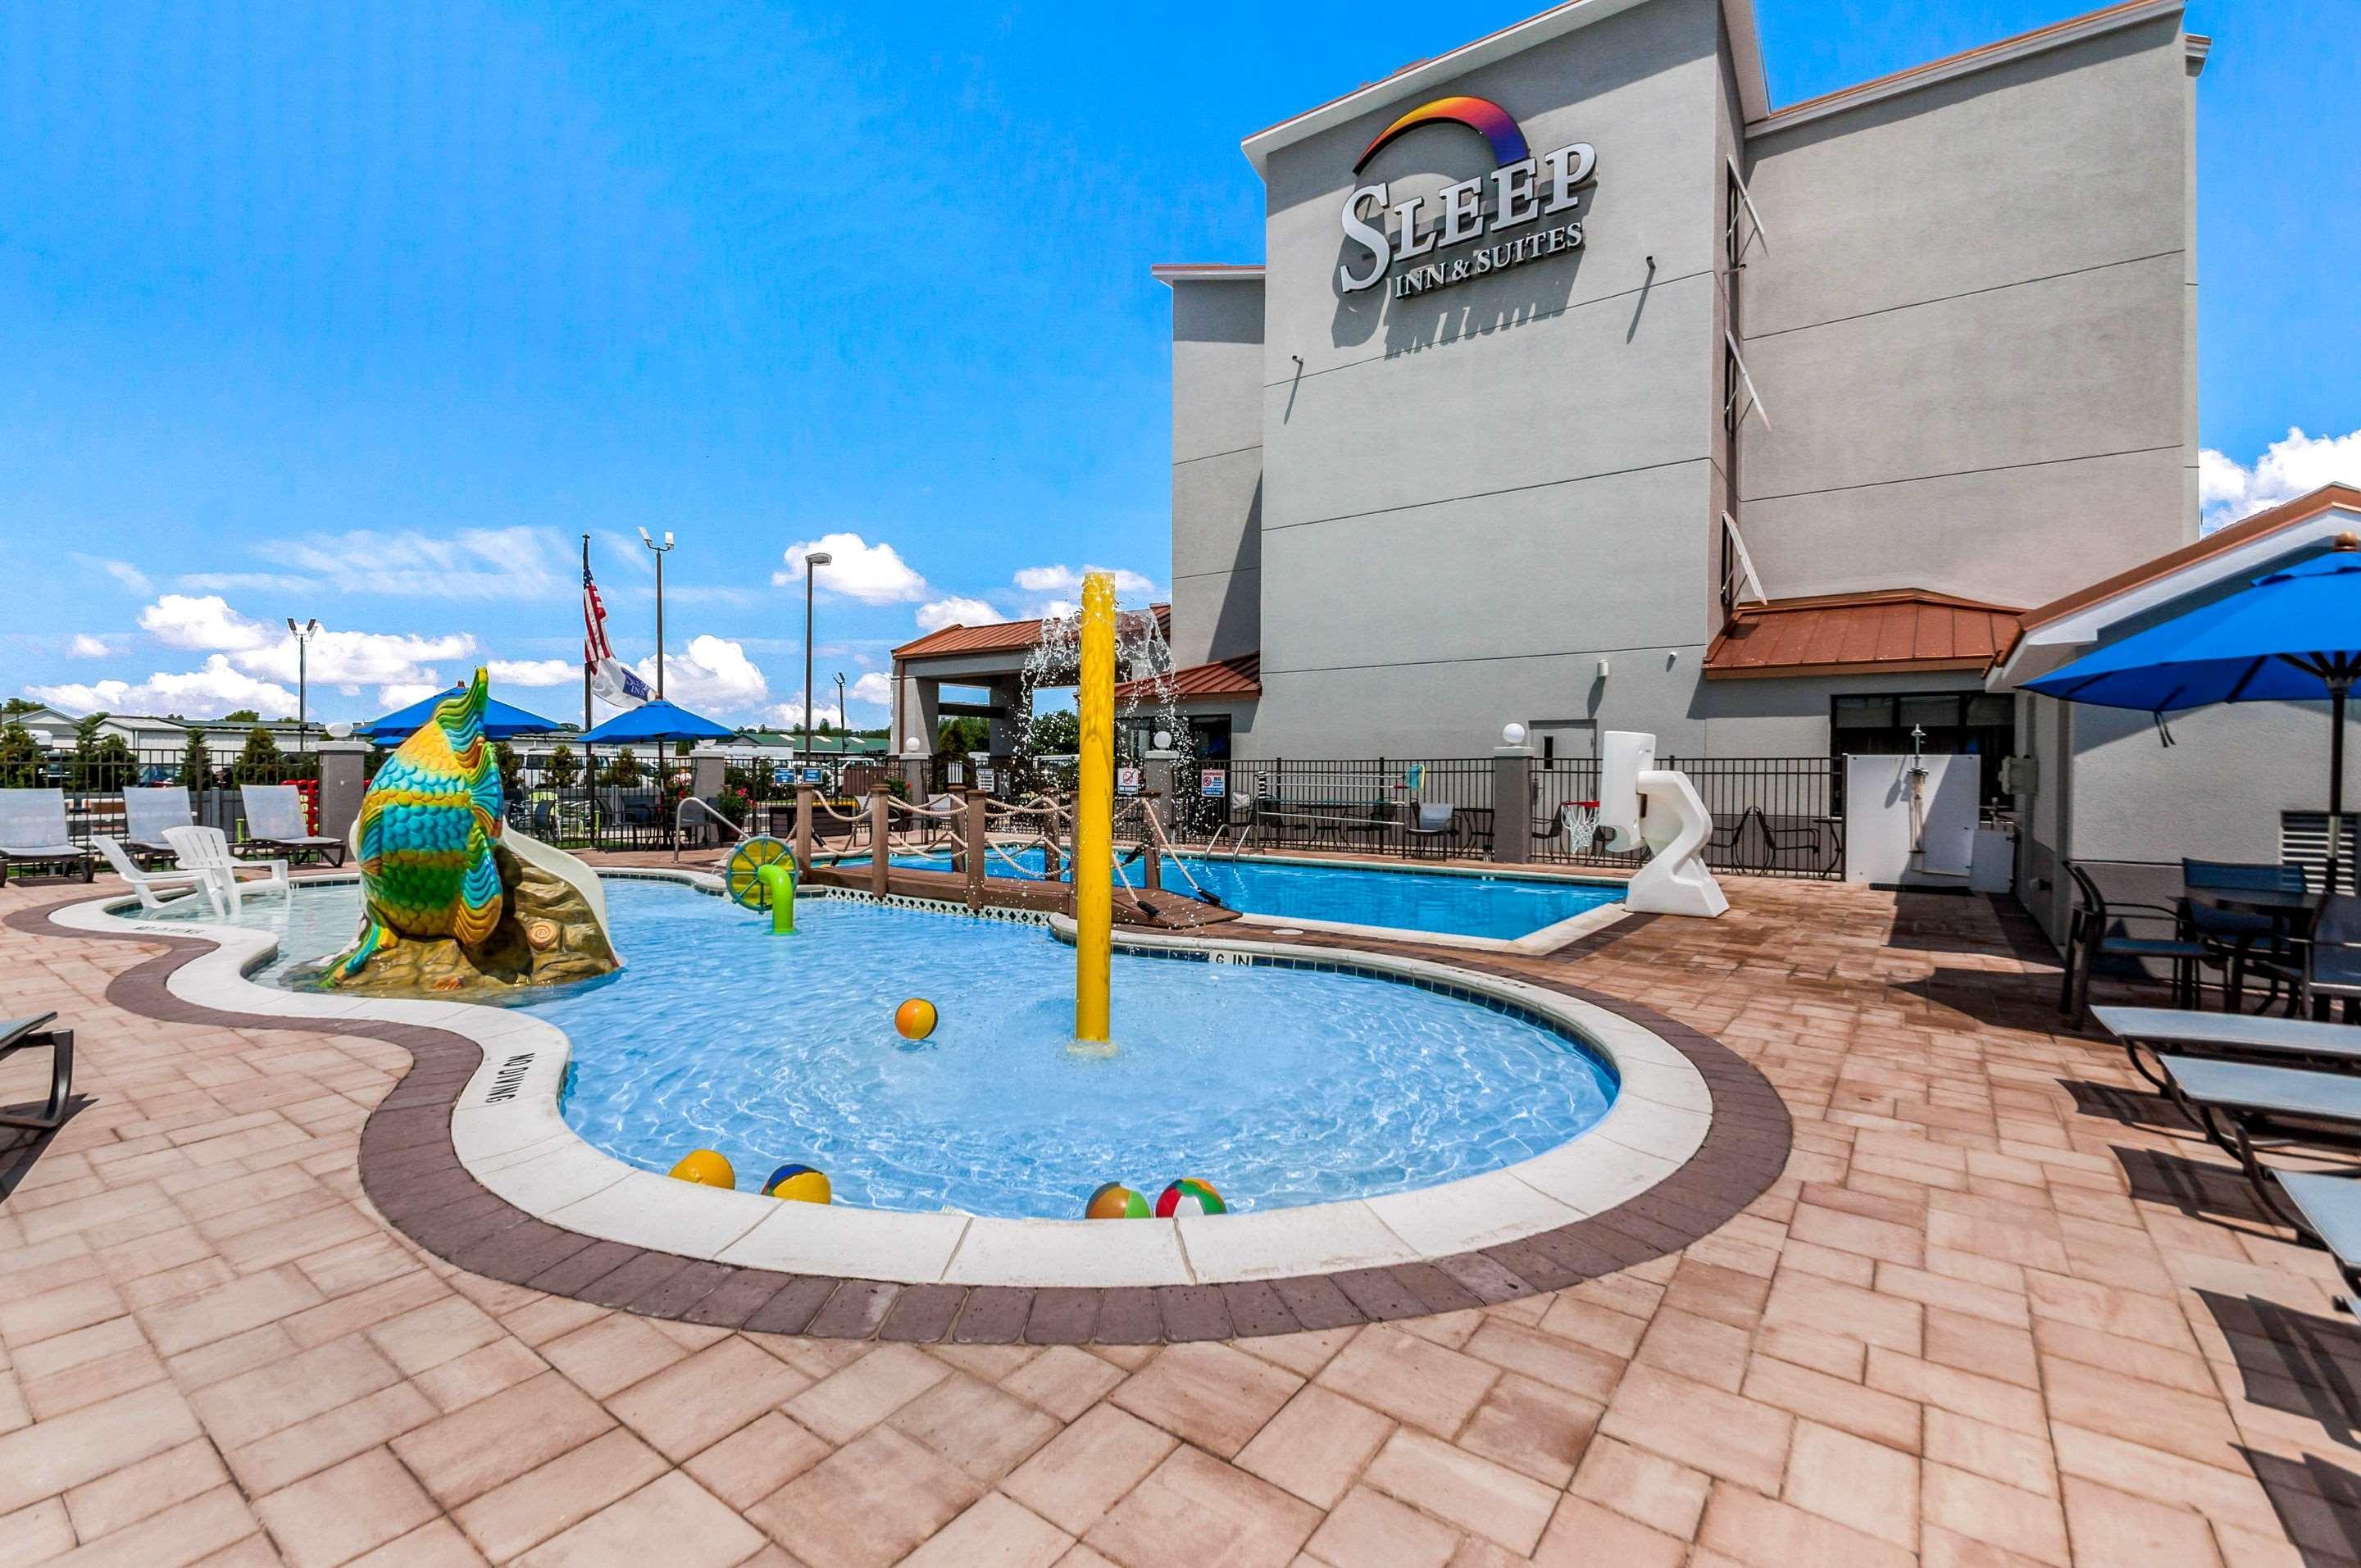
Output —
(812, 563)
(303, 635)
(843, 723)
(661, 552)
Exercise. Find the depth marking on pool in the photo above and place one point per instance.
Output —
(412, 1171)
(510, 1079)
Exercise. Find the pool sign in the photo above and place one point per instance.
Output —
(983, 780)
(1525, 190)
(1126, 781)
(1213, 782)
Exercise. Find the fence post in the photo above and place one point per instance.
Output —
(805, 796)
(880, 832)
(341, 765)
(1513, 804)
(979, 823)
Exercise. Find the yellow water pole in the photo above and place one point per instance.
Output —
(1094, 810)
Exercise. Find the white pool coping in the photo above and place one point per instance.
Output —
(508, 1133)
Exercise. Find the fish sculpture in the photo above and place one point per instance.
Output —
(428, 827)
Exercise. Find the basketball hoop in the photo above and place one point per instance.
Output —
(1581, 820)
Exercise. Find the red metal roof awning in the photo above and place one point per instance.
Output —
(1893, 631)
(999, 636)
(1240, 676)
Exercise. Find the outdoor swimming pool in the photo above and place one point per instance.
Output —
(1500, 907)
(1280, 1086)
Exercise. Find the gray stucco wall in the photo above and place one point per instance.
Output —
(1972, 330)
(1217, 363)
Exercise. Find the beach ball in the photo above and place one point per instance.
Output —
(706, 1168)
(1115, 1201)
(915, 1019)
(798, 1184)
(1189, 1196)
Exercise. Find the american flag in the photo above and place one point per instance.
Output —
(615, 682)
(595, 646)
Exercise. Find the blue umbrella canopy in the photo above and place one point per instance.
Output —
(655, 721)
(502, 722)
(2293, 636)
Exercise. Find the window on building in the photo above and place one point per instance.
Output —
(1977, 724)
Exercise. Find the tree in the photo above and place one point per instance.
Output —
(17, 704)
(960, 736)
(623, 772)
(20, 758)
(1055, 734)
(196, 761)
(511, 768)
(261, 763)
(243, 716)
(562, 769)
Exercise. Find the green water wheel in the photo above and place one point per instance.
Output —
(742, 878)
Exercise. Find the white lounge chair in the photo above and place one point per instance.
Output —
(146, 812)
(151, 885)
(33, 833)
(274, 820)
(205, 851)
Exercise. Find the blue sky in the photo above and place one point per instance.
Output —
(367, 312)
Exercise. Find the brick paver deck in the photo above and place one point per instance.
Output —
(2002, 1308)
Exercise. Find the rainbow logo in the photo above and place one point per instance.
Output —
(1479, 115)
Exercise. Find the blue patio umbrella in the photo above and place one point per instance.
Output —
(502, 722)
(654, 721)
(2293, 636)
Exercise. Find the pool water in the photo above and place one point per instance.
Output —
(1503, 907)
(1280, 1086)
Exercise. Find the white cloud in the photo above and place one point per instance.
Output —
(956, 612)
(179, 620)
(219, 688)
(874, 574)
(535, 672)
(2228, 490)
(1067, 580)
(713, 676)
(131, 577)
(239, 582)
(789, 716)
(876, 686)
(473, 563)
(86, 646)
(401, 693)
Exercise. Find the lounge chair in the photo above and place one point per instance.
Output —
(205, 851)
(1436, 825)
(26, 1034)
(33, 833)
(2089, 938)
(2331, 1207)
(274, 820)
(2236, 1036)
(2239, 1105)
(146, 812)
(151, 885)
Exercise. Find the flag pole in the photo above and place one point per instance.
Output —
(590, 782)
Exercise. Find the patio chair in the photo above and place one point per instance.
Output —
(1436, 825)
(205, 851)
(151, 885)
(26, 1034)
(274, 820)
(2090, 937)
(2331, 1207)
(2151, 1031)
(33, 833)
(2237, 934)
(2238, 1105)
(2330, 967)
(146, 812)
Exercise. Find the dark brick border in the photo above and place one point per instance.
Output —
(413, 1176)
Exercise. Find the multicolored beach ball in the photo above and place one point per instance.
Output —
(1115, 1201)
(1189, 1196)
(798, 1184)
(706, 1168)
(915, 1019)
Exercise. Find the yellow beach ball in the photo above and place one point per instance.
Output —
(706, 1168)
(915, 1019)
(798, 1184)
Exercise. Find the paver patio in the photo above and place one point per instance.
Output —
(2002, 1308)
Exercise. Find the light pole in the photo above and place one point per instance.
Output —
(812, 563)
(661, 552)
(843, 723)
(303, 635)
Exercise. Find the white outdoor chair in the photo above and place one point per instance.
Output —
(205, 851)
(33, 833)
(274, 820)
(151, 886)
(147, 811)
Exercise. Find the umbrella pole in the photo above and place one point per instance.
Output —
(2336, 690)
